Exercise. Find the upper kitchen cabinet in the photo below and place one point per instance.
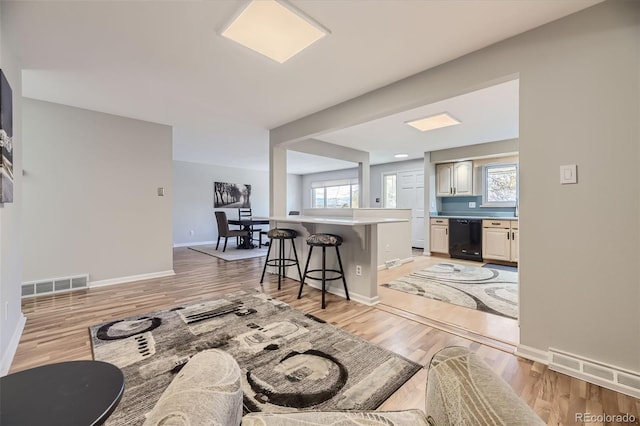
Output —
(454, 179)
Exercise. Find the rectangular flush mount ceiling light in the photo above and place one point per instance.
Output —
(433, 122)
(273, 28)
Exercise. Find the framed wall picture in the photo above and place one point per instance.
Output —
(231, 195)
(6, 140)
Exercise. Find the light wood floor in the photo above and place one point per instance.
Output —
(57, 330)
(501, 332)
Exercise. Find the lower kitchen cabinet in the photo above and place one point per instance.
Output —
(440, 236)
(515, 240)
(500, 240)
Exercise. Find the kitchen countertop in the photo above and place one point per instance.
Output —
(349, 221)
(445, 216)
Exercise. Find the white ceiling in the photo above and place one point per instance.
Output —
(164, 62)
(486, 115)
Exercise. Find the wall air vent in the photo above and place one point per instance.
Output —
(627, 380)
(54, 285)
(608, 376)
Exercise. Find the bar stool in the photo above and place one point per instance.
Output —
(324, 241)
(281, 235)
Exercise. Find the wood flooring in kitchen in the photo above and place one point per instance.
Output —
(57, 330)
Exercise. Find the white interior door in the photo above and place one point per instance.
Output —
(410, 193)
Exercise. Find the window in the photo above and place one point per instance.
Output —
(500, 185)
(335, 194)
(389, 191)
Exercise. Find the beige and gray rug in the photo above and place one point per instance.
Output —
(232, 253)
(484, 289)
(289, 360)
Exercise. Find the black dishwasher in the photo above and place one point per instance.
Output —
(465, 239)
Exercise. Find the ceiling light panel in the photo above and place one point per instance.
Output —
(433, 122)
(273, 28)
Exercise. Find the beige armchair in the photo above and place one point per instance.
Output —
(461, 390)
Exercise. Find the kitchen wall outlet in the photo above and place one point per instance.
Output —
(472, 204)
(160, 192)
(568, 174)
(387, 247)
(358, 270)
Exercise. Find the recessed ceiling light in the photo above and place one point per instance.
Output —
(433, 122)
(401, 155)
(274, 28)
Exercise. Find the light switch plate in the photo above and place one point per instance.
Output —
(568, 174)
(160, 192)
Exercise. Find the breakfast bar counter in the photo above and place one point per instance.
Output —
(371, 239)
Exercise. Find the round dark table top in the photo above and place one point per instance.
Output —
(68, 393)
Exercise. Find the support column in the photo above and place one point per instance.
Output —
(277, 180)
(364, 182)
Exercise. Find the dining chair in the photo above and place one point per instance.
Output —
(245, 213)
(224, 231)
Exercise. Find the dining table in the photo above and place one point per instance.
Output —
(247, 224)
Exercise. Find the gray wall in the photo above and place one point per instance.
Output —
(193, 198)
(11, 319)
(90, 194)
(579, 104)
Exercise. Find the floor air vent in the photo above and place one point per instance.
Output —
(56, 285)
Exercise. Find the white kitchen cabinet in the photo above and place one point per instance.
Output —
(454, 179)
(439, 235)
(515, 240)
(500, 240)
(463, 178)
(444, 180)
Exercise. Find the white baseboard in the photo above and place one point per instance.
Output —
(123, 280)
(339, 291)
(532, 354)
(195, 243)
(608, 376)
(400, 262)
(11, 349)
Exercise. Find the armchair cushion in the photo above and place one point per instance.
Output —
(207, 391)
(463, 390)
(342, 418)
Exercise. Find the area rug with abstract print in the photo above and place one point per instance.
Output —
(484, 289)
(289, 359)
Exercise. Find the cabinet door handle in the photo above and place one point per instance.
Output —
(495, 223)
(507, 235)
(513, 236)
(450, 190)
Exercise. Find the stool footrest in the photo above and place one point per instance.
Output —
(283, 262)
(320, 278)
